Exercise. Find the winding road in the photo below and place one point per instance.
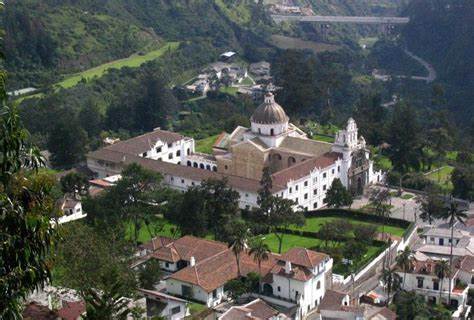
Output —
(343, 19)
(432, 75)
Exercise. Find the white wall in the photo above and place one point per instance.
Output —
(174, 287)
(168, 311)
(76, 214)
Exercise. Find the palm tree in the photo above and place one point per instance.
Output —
(238, 241)
(442, 271)
(392, 282)
(404, 262)
(452, 215)
(259, 250)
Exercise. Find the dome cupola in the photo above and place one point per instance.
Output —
(269, 112)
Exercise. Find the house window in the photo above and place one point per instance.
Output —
(214, 293)
(226, 167)
(315, 180)
(291, 190)
(441, 242)
(306, 183)
(305, 196)
(272, 132)
(325, 175)
(296, 187)
(145, 154)
(186, 291)
(432, 239)
(318, 285)
(296, 200)
(332, 171)
(182, 181)
(201, 166)
(188, 151)
(170, 145)
(279, 289)
(338, 168)
(435, 285)
(472, 280)
(315, 205)
(324, 187)
(419, 282)
(176, 310)
(315, 191)
(167, 265)
(170, 156)
(178, 153)
(259, 131)
(172, 178)
(158, 149)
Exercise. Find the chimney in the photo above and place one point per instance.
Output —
(192, 262)
(287, 267)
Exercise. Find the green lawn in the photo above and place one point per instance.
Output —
(442, 177)
(247, 82)
(160, 226)
(313, 224)
(290, 241)
(196, 308)
(323, 138)
(205, 145)
(229, 90)
(133, 61)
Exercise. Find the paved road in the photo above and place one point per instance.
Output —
(343, 19)
(431, 71)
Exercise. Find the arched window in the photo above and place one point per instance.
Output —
(272, 132)
(188, 151)
(318, 285)
(291, 161)
(178, 153)
(195, 165)
(201, 166)
(189, 164)
(277, 156)
(214, 169)
(208, 167)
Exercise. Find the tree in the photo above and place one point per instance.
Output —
(404, 262)
(108, 304)
(404, 139)
(452, 215)
(463, 181)
(442, 270)
(391, 281)
(370, 115)
(431, 206)
(238, 241)
(274, 212)
(380, 201)
(91, 119)
(337, 195)
(354, 250)
(365, 233)
(74, 183)
(221, 204)
(67, 142)
(150, 274)
(260, 252)
(26, 207)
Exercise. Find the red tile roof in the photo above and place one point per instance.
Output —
(332, 300)
(156, 243)
(145, 142)
(255, 310)
(72, 310)
(187, 247)
(304, 257)
(466, 264)
(215, 271)
(304, 168)
(297, 272)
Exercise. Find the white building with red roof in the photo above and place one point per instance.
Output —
(302, 169)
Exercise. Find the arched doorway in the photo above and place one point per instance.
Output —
(360, 186)
(291, 161)
(267, 289)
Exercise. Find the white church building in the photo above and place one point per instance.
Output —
(302, 169)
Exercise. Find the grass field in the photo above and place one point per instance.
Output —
(205, 145)
(133, 61)
(160, 225)
(284, 42)
(229, 90)
(290, 241)
(442, 177)
(313, 224)
(323, 138)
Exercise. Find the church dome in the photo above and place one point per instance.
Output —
(269, 112)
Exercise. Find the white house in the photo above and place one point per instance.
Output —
(159, 304)
(257, 309)
(422, 278)
(71, 209)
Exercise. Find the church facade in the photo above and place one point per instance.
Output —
(302, 169)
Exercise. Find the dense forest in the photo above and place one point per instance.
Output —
(442, 32)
